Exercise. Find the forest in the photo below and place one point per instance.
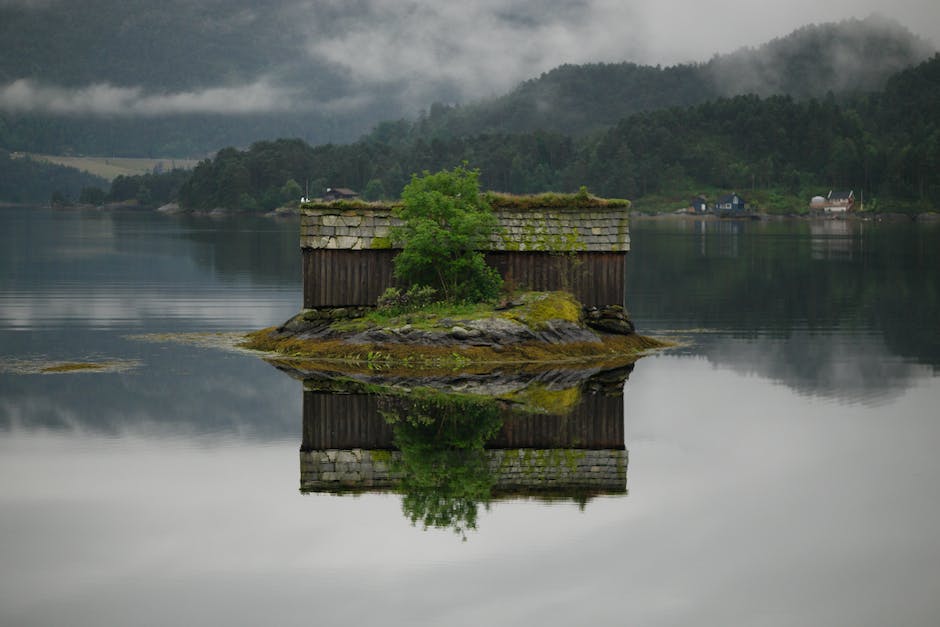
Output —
(886, 143)
(159, 49)
(779, 124)
(27, 181)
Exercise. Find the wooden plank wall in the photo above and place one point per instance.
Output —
(346, 278)
(350, 278)
(594, 278)
(348, 421)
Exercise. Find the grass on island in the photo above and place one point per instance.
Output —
(535, 310)
(498, 200)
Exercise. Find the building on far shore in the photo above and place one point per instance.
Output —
(699, 204)
(339, 193)
(834, 202)
(730, 204)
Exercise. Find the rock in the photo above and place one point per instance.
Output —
(459, 333)
(610, 319)
(170, 207)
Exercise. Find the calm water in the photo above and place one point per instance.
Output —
(782, 464)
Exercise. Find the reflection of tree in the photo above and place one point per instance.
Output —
(444, 470)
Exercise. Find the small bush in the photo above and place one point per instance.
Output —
(417, 297)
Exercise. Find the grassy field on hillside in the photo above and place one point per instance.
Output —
(111, 167)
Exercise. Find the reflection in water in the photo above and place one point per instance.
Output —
(843, 309)
(554, 435)
(834, 240)
(719, 238)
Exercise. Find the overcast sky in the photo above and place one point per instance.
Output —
(494, 44)
(421, 51)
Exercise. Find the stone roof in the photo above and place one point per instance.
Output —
(554, 229)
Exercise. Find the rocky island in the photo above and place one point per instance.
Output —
(451, 277)
(549, 328)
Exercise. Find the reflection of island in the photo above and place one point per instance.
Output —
(555, 435)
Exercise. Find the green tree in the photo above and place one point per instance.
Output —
(447, 222)
(374, 190)
(291, 192)
(92, 196)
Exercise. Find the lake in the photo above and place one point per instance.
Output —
(782, 460)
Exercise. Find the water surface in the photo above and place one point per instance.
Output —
(781, 464)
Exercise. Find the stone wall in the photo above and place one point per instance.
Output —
(598, 229)
(515, 471)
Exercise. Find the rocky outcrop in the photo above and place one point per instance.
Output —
(611, 319)
(493, 331)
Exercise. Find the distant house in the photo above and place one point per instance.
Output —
(698, 205)
(339, 193)
(730, 203)
(835, 202)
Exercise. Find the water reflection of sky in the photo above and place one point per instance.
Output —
(751, 506)
(777, 475)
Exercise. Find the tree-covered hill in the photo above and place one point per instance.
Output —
(182, 78)
(886, 143)
(845, 58)
(26, 181)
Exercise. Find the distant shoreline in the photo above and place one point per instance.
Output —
(922, 217)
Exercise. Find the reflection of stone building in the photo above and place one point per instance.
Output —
(348, 446)
(832, 239)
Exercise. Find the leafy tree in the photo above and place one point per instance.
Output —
(374, 190)
(92, 196)
(292, 191)
(58, 199)
(447, 221)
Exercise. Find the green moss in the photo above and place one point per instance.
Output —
(534, 238)
(548, 200)
(553, 200)
(539, 399)
(74, 367)
(381, 243)
(427, 318)
(344, 205)
(540, 307)
(381, 456)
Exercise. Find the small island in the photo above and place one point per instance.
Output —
(454, 278)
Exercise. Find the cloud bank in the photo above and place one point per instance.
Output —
(406, 54)
(472, 50)
(27, 96)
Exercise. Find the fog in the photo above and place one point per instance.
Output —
(420, 51)
(25, 95)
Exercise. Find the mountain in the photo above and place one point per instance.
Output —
(844, 58)
(777, 151)
(185, 78)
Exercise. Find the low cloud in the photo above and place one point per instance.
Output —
(463, 51)
(470, 49)
(27, 96)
